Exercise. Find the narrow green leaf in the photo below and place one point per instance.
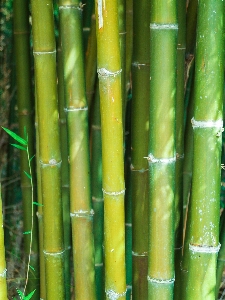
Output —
(32, 157)
(32, 268)
(15, 136)
(19, 147)
(27, 232)
(21, 294)
(28, 297)
(38, 204)
(28, 175)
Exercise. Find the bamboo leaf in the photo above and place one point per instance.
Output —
(15, 136)
(28, 175)
(19, 147)
(32, 268)
(32, 157)
(27, 232)
(28, 297)
(38, 204)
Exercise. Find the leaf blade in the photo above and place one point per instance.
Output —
(15, 136)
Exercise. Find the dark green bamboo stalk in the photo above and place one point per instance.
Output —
(49, 147)
(97, 196)
(181, 44)
(139, 146)
(25, 113)
(91, 62)
(207, 125)
(65, 172)
(77, 121)
(109, 72)
(161, 157)
(221, 257)
(3, 270)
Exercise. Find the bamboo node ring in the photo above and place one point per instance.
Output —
(152, 159)
(163, 26)
(114, 193)
(112, 295)
(204, 249)
(206, 124)
(3, 274)
(53, 253)
(164, 281)
(139, 254)
(71, 109)
(102, 72)
(82, 213)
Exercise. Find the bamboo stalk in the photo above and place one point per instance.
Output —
(179, 145)
(49, 148)
(97, 196)
(65, 172)
(77, 124)
(3, 270)
(109, 72)
(139, 146)
(207, 126)
(25, 113)
(161, 157)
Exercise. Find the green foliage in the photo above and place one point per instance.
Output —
(23, 297)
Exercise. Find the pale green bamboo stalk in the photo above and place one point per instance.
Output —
(109, 72)
(49, 147)
(207, 125)
(77, 124)
(3, 270)
(139, 146)
(25, 116)
(161, 157)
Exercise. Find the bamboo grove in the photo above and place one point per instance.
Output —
(115, 109)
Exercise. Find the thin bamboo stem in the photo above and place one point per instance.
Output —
(109, 72)
(49, 149)
(77, 124)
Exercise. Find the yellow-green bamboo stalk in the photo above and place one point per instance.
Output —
(3, 270)
(109, 72)
(49, 148)
(25, 113)
(161, 157)
(207, 125)
(139, 147)
(77, 123)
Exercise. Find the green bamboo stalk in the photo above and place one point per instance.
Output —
(97, 196)
(129, 41)
(161, 157)
(77, 121)
(109, 72)
(221, 257)
(3, 270)
(25, 113)
(179, 145)
(122, 38)
(207, 125)
(49, 149)
(192, 10)
(139, 146)
(128, 200)
(91, 62)
(64, 171)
